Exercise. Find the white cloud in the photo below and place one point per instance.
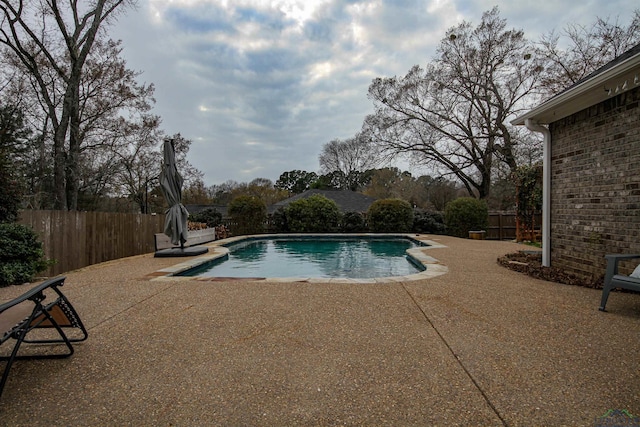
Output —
(260, 85)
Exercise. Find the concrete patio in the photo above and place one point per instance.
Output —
(478, 346)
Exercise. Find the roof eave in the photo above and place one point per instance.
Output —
(584, 95)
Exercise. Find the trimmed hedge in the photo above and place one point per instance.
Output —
(390, 216)
(315, 214)
(466, 214)
(353, 222)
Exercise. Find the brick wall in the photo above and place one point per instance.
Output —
(595, 184)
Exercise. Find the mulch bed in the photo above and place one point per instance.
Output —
(531, 264)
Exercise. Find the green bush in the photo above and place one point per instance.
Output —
(248, 214)
(315, 214)
(390, 216)
(279, 220)
(428, 222)
(209, 216)
(353, 222)
(22, 256)
(466, 214)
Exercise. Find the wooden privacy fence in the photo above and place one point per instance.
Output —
(77, 239)
(502, 225)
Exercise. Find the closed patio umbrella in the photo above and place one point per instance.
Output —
(175, 225)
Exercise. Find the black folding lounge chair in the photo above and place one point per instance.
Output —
(22, 315)
(614, 280)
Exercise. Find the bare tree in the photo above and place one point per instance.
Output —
(196, 193)
(223, 193)
(350, 158)
(137, 162)
(114, 113)
(441, 192)
(390, 182)
(452, 115)
(189, 172)
(52, 40)
(578, 50)
(114, 123)
(262, 188)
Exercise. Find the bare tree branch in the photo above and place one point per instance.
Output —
(453, 113)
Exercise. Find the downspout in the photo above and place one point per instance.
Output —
(546, 189)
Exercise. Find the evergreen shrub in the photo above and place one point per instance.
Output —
(466, 214)
(430, 222)
(209, 216)
(353, 222)
(390, 216)
(315, 214)
(22, 256)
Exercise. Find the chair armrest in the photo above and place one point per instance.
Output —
(34, 292)
(612, 264)
(622, 256)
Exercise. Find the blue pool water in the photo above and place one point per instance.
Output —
(356, 258)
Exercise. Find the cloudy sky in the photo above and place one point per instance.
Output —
(260, 85)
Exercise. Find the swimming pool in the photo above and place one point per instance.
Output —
(314, 256)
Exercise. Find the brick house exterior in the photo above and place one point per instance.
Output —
(592, 167)
(595, 184)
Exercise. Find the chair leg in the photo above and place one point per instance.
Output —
(605, 297)
(10, 359)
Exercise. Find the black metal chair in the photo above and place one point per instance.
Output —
(614, 280)
(28, 312)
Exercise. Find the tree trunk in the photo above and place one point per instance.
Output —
(59, 162)
(75, 140)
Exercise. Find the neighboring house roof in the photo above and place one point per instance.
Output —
(615, 77)
(347, 201)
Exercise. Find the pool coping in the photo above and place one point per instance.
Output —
(433, 267)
